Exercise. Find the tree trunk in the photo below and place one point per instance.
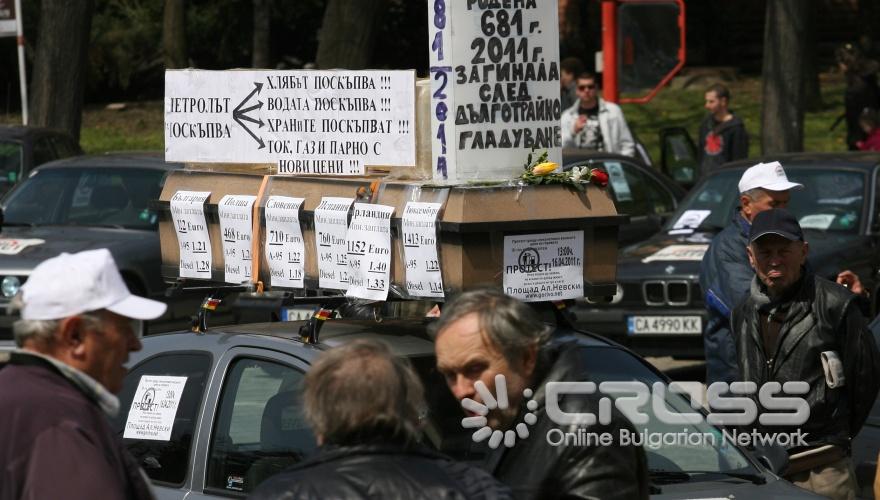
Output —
(782, 116)
(174, 35)
(346, 36)
(812, 90)
(262, 24)
(60, 71)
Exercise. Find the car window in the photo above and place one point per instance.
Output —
(832, 199)
(260, 429)
(87, 197)
(43, 151)
(165, 458)
(10, 162)
(64, 146)
(635, 192)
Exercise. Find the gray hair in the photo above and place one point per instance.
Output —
(754, 193)
(41, 331)
(509, 325)
(360, 392)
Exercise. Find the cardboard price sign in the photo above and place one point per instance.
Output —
(495, 86)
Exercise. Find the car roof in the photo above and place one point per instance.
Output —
(134, 159)
(851, 159)
(19, 132)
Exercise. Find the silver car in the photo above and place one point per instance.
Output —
(239, 420)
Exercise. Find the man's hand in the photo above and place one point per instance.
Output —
(851, 280)
(580, 123)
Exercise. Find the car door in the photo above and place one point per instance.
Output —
(642, 197)
(255, 426)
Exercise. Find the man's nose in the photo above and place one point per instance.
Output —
(462, 388)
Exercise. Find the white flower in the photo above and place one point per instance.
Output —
(579, 173)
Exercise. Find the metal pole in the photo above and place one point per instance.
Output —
(22, 76)
(609, 51)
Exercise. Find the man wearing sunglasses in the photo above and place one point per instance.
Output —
(78, 324)
(593, 123)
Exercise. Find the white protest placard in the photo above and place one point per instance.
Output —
(678, 252)
(547, 266)
(369, 252)
(236, 226)
(419, 224)
(691, 219)
(331, 226)
(618, 181)
(188, 212)
(494, 86)
(14, 246)
(285, 249)
(154, 407)
(7, 18)
(307, 122)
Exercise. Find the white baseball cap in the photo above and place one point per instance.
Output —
(769, 176)
(77, 283)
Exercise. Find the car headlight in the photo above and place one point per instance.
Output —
(10, 286)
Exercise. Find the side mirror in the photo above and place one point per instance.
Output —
(678, 156)
(773, 457)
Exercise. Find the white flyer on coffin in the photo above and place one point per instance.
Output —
(12, 246)
(331, 226)
(154, 407)
(423, 276)
(547, 266)
(678, 252)
(236, 227)
(369, 252)
(188, 212)
(618, 181)
(285, 248)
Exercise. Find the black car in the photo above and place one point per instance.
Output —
(82, 203)
(643, 193)
(23, 148)
(658, 309)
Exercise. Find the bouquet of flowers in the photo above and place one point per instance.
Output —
(541, 171)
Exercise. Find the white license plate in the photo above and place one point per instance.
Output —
(296, 313)
(664, 325)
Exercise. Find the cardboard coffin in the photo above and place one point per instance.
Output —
(472, 225)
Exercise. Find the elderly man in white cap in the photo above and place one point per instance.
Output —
(726, 274)
(57, 390)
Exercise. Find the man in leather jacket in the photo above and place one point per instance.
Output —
(485, 334)
(365, 407)
(796, 326)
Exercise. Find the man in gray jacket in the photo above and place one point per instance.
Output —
(593, 123)
(57, 389)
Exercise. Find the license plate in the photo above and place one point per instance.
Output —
(664, 325)
(296, 313)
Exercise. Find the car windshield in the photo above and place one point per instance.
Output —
(109, 197)
(10, 163)
(832, 199)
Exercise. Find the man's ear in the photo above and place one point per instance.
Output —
(530, 359)
(751, 256)
(70, 336)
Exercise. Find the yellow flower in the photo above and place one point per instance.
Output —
(544, 168)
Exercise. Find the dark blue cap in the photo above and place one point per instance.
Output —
(776, 221)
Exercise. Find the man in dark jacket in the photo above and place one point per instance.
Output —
(365, 407)
(722, 134)
(798, 327)
(57, 389)
(488, 343)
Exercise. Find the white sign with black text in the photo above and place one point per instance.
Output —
(369, 252)
(546, 266)
(494, 86)
(285, 249)
(154, 407)
(188, 212)
(423, 276)
(236, 227)
(307, 122)
(331, 226)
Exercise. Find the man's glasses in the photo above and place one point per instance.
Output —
(589, 86)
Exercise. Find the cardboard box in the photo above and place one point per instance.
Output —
(472, 226)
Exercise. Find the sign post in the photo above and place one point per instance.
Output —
(11, 25)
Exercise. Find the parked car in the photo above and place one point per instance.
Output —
(658, 309)
(646, 195)
(82, 203)
(239, 418)
(866, 445)
(22, 148)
